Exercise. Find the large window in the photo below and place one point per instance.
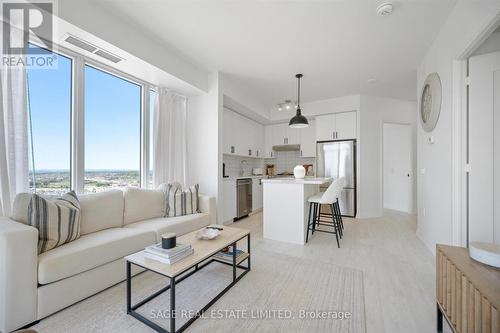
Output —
(49, 100)
(90, 144)
(112, 131)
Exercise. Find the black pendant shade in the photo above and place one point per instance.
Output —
(298, 121)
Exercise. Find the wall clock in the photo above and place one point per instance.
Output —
(430, 102)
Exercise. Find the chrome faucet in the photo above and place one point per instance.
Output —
(242, 168)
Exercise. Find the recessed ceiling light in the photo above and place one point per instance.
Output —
(371, 81)
(384, 9)
(280, 108)
(288, 107)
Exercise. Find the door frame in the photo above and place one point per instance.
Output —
(413, 184)
(460, 137)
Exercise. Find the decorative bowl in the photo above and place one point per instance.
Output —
(486, 253)
(207, 234)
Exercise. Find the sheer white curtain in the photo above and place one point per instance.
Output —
(169, 138)
(14, 165)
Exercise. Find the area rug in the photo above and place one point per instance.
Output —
(280, 294)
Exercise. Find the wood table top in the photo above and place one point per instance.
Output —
(203, 249)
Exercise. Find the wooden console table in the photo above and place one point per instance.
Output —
(467, 292)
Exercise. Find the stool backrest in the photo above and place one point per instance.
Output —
(333, 191)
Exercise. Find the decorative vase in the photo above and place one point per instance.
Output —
(299, 172)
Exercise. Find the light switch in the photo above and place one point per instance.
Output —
(422, 171)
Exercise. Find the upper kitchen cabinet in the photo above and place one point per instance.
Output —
(282, 134)
(337, 126)
(345, 125)
(269, 141)
(228, 129)
(308, 140)
(257, 139)
(242, 136)
(275, 136)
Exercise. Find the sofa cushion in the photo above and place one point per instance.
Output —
(180, 225)
(101, 211)
(90, 251)
(20, 207)
(142, 204)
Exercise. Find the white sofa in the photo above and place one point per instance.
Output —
(114, 224)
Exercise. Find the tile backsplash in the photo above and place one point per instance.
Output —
(285, 161)
(234, 165)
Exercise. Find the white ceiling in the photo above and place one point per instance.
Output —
(337, 45)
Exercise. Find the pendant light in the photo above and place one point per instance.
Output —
(298, 121)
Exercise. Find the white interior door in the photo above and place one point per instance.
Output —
(397, 167)
(484, 148)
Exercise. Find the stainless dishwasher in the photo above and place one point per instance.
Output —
(244, 199)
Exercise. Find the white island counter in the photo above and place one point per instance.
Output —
(286, 208)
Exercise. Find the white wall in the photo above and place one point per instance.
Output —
(374, 111)
(467, 21)
(204, 127)
(244, 101)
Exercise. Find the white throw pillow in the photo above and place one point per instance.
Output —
(57, 220)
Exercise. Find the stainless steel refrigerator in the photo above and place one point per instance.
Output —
(335, 159)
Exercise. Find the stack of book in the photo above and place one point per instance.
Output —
(228, 255)
(168, 256)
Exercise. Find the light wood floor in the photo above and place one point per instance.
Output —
(399, 271)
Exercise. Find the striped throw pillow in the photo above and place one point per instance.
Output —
(182, 201)
(57, 220)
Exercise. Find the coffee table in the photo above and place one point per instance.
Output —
(202, 256)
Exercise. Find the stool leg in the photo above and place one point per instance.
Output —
(315, 216)
(337, 218)
(318, 215)
(309, 221)
(340, 215)
(335, 225)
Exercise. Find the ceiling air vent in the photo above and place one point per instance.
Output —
(107, 55)
(80, 43)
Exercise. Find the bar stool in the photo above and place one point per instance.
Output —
(330, 198)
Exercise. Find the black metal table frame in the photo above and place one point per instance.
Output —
(173, 281)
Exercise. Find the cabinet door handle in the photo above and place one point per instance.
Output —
(301, 153)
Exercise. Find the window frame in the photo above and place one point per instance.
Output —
(72, 106)
(77, 126)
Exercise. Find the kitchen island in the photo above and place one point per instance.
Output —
(286, 208)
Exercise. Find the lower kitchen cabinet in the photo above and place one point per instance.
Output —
(229, 199)
(257, 194)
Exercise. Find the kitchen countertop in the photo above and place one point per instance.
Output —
(291, 180)
(243, 177)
